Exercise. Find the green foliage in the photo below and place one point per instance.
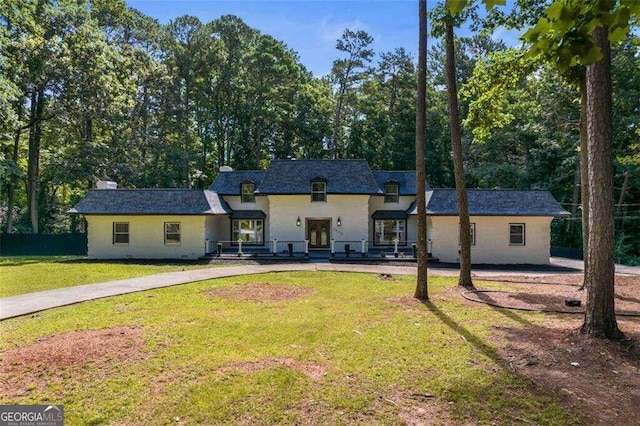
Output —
(151, 105)
(563, 34)
(493, 92)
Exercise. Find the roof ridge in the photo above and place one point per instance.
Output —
(494, 189)
(317, 159)
(147, 189)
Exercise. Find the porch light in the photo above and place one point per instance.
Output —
(298, 223)
(339, 222)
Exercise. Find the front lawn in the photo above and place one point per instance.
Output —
(293, 348)
(20, 275)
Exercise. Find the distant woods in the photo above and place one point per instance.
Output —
(95, 90)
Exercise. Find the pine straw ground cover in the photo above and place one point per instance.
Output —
(307, 348)
(19, 275)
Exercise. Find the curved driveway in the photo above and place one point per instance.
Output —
(29, 303)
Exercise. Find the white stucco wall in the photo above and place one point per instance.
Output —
(146, 238)
(218, 228)
(377, 203)
(235, 202)
(492, 239)
(353, 211)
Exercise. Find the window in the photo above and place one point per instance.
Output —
(172, 233)
(516, 234)
(389, 229)
(120, 233)
(250, 231)
(318, 191)
(391, 194)
(247, 193)
(472, 232)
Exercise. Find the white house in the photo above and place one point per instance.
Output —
(314, 205)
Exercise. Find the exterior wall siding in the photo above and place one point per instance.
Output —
(353, 211)
(146, 238)
(492, 240)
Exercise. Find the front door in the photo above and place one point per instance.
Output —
(318, 233)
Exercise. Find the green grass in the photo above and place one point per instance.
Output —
(376, 355)
(19, 275)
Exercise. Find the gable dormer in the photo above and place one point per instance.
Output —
(247, 191)
(318, 190)
(391, 191)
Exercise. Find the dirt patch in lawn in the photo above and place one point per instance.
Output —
(601, 378)
(54, 357)
(550, 292)
(260, 292)
(312, 370)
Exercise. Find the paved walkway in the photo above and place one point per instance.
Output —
(29, 303)
(579, 264)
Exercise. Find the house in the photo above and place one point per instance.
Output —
(330, 206)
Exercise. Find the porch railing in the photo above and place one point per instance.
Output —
(347, 248)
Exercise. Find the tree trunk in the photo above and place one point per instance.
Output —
(336, 125)
(33, 167)
(422, 291)
(575, 197)
(584, 179)
(187, 103)
(600, 318)
(458, 166)
(623, 191)
(575, 201)
(13, 180)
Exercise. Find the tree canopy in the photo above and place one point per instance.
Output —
(96, 90)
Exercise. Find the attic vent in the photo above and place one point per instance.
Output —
(226, 169)
(106, 184)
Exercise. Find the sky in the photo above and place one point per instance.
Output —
(310, 27)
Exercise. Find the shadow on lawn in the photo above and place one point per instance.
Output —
(481, 346)
(517, 386)
(504, 311)
(19, 261)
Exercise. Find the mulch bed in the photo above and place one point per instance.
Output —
(260, 292)
(37, 365)
(548, 293)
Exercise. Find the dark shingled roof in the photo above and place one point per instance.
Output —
(406, 180)
(341, 176)
(389, 214)
(493, 202)
(248, 214)
(228, 183)
(151, 202)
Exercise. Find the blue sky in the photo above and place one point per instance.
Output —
(310, 27)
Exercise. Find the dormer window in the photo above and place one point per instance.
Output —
(318, 191)
(391, 193)
(247, 192)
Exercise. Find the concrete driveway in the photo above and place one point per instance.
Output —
(29, 303)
